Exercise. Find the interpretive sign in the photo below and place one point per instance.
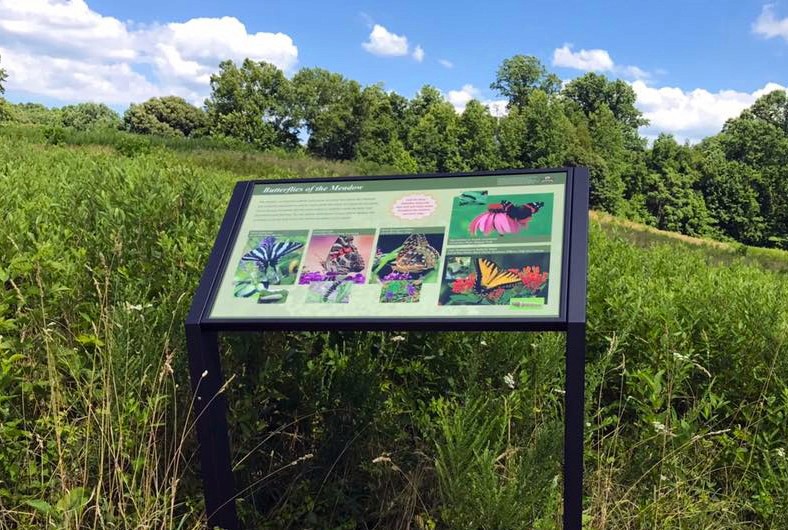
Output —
(501, 250)
(476, 247)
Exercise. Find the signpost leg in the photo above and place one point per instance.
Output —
(573, 426)
(209, 409)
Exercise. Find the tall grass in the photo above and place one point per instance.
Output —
(101, 251)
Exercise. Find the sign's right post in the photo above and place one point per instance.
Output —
(574, 405)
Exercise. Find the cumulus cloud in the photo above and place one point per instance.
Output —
(769, 26)
(65, 50)
(695, 114)
(595, 60)
(586, 60)
(460, 98)
(384, 43)
(418, 54)
(446, 63)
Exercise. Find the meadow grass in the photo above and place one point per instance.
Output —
(687, 393)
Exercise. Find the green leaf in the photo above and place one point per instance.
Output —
(73, 500)
(40, 506)
(90, 340)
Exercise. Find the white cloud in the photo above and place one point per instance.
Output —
(65, 50)
(189, 52)
(769, 26)
(460, 98)
(418, 53)
(69, 27)
(385, 43)
(596, 60)
(633, 72)
(586, 60)
(74, 79)
(446, 63)
(693, 114)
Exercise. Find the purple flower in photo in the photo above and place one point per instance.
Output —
(358, 278)
(396, 276)
(411, 289)
(309, 277)
(389, 295)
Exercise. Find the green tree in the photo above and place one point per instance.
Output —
(519, 76)
(379, 135)
(599, 143)
(166, 116)
(670, 189)
(548, 132)
(757, 140)
(36, 114)
(730, 191)
(83, 116)
(771, 108)
(254, 103)
(537, 135)
(477, 143)
(511, 132)
(330, 107)
(3, 78)
(591, 91)
(433, 137)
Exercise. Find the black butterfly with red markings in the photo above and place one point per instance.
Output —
(522, 213)
(343, 257)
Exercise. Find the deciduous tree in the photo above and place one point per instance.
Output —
(518, 76)
(3, 78)
(591, 91)
(254, 103)
(166, 116)
(83, 116)
(478, 148)
(330, 107)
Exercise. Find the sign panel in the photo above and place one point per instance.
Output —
(459, 247)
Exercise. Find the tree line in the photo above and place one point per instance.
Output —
(733, 185)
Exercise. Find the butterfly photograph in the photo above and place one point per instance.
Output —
(269, 259)
(407, 256)
(342, 255)
(497, 279)
(501, 217)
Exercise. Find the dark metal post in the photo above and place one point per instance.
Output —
(574, 405)
(209, 409)
(209, 404)
(573, 426)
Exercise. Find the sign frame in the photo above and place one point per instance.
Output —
(203, 343)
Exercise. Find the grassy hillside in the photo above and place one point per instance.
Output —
(101, 250)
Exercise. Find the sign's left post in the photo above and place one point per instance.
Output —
(209, 407)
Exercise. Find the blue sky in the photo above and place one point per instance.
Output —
(693, 64)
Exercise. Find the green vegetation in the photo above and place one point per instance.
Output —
(102, 247)
(167, 116)
(730, 187)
